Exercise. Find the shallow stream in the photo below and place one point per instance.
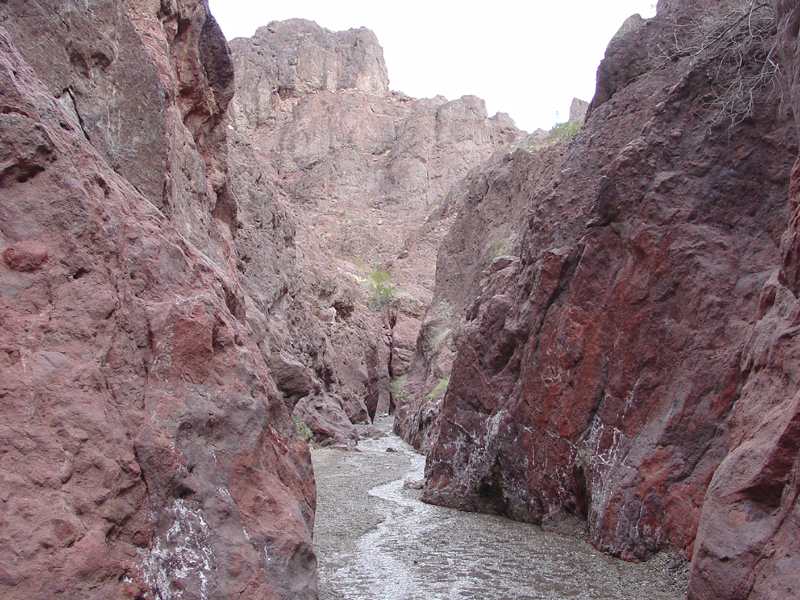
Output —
(375, 540)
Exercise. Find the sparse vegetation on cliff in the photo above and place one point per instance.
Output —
(397, 389)
(302, 429)
(499, 244)
(439, 389)
(379, 284)
(739, 38)
(562, 133)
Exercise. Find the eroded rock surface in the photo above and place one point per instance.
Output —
(610, 371)
(146, 451)
(747, 543)
(317, 106)
(182, 269)
(486, 221)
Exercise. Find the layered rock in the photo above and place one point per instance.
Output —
(597, 374)
(146, 449)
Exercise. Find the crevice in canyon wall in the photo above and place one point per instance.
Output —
(360, 166)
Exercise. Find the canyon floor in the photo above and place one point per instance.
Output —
(375, 539)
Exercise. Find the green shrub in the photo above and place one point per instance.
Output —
(302, 429)
(498, 245)
(562, 133)
(379, 283)
(397, 389)
(439, 389)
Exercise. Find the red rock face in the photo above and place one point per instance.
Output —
(484, 238)
(747, 543)
(598, 375)
(145, 449)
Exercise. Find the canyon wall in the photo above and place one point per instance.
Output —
(187, 236)
(169, 303)
(485, 220)
(633, 365)
(146, 451)
(319, 111)
(747, 543)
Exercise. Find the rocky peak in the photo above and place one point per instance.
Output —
(298, 57)
(577, 110)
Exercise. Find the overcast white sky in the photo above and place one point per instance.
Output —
(525, 58)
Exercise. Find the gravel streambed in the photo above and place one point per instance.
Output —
(375, 540)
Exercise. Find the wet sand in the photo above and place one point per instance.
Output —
(375, 540)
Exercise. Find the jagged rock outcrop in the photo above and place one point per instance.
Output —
(603, 372)
(145, 449)
(306, 319)
(317, 107)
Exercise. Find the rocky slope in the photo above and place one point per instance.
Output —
(633, 366)
(146, 451)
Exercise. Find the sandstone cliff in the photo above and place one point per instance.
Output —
(633, 366)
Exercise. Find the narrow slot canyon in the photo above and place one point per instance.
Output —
(273, 330)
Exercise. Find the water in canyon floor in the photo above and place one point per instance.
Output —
(375, 540)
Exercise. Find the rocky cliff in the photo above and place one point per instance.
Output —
(361, 167)
(146, 451)
(317, 106)
(633, 365)
(747, 542)
(190, 245)
(483, 219)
